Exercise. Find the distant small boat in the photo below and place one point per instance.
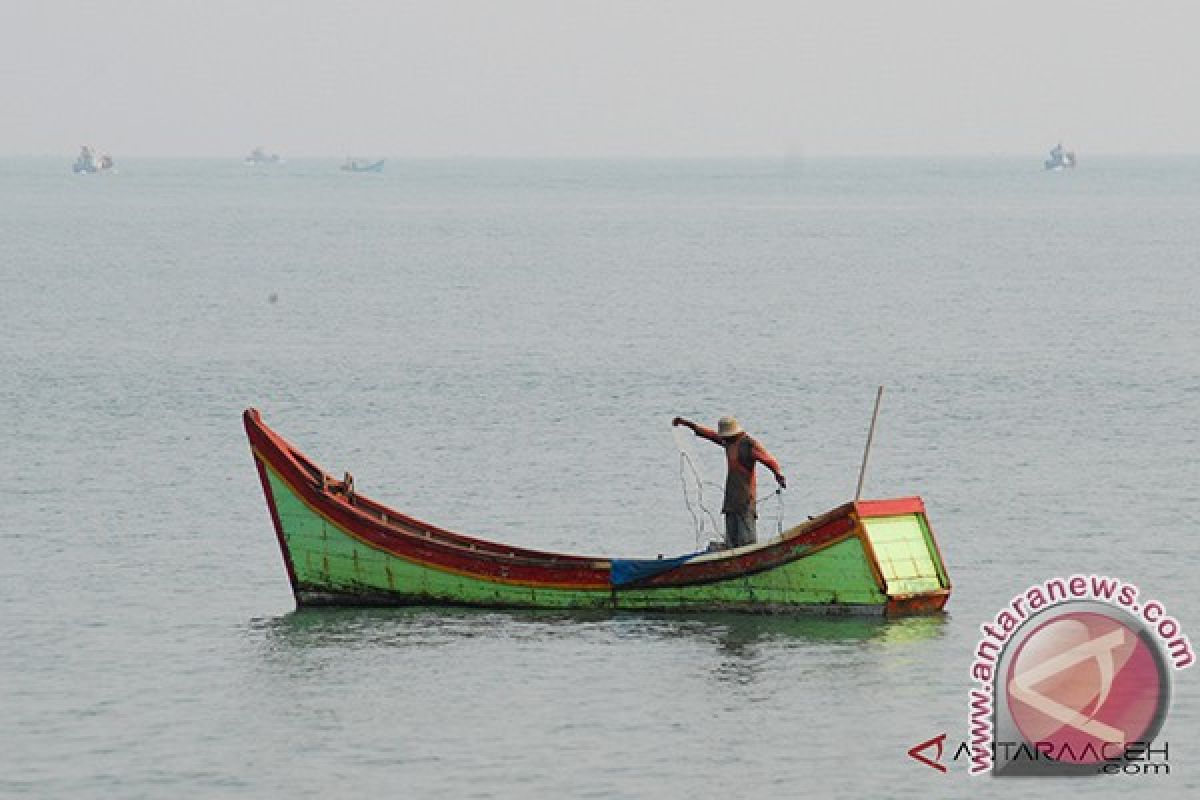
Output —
(1060, 159)
(88, 164)
(354, 165)
(342, 548)
(259, 157)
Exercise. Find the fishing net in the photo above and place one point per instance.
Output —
(697, 490)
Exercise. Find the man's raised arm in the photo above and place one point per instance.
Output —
(699, 430)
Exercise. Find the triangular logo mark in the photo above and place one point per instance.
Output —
(938, 742)
(1101, 649)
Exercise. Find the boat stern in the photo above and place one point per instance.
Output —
(904, 555)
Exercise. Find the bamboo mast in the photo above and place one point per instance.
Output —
(862, 473)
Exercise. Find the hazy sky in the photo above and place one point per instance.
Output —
(609, 78)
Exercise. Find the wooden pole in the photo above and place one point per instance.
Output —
(862, 473)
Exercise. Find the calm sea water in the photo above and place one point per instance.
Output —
(499, 347)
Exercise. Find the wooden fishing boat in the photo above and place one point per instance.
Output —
(341, 548)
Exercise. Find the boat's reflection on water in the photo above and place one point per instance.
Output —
(732, 634)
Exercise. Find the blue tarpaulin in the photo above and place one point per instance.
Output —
(632, 570)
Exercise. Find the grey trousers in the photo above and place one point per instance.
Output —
(739, 528)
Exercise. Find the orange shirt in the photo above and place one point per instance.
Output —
(741, 455)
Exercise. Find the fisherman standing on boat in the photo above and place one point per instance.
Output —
(741, 454)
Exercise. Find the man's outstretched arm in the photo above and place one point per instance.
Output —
(699, 430)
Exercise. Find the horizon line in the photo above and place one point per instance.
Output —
(799, 156)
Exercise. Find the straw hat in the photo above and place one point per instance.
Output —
(728, 426)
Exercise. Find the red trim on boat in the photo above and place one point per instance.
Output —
(891, 507)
